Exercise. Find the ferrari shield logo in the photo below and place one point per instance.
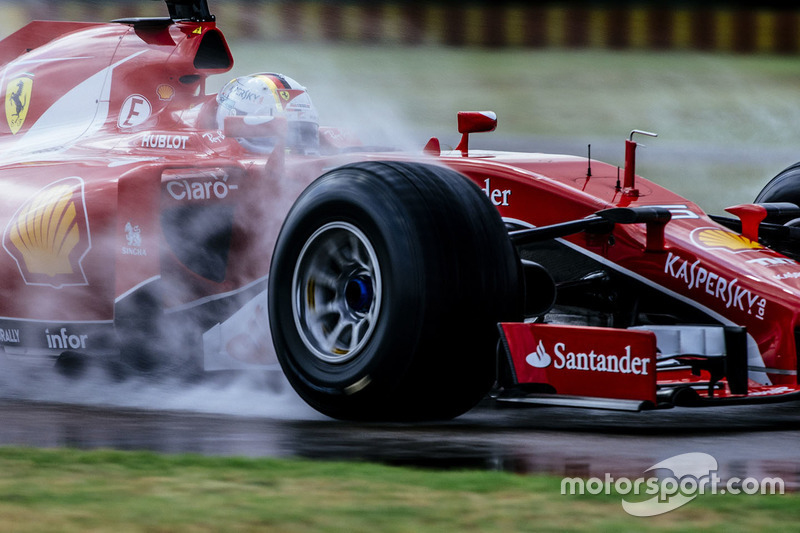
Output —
(18, 98)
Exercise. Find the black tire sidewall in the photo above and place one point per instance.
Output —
(785, 187)
(386, 354)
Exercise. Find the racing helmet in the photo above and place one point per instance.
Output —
(271, 95)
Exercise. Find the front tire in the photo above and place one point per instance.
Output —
(785, 187)
(386, 285)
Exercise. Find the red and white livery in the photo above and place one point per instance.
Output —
(150, 225)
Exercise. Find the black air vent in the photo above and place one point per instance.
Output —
(213, 52)
(200, 237)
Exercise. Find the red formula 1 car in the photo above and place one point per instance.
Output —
(153, 226)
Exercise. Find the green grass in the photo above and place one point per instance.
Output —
(726, 123)
(70, 490)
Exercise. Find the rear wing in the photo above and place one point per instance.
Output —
(194, 10)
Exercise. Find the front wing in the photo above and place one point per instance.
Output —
(624, 369)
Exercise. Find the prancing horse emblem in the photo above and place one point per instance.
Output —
(18, 98)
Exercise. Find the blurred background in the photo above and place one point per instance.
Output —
(718, 81)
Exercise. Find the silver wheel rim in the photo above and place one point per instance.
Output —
(336, 292)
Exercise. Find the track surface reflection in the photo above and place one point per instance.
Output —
(755, 441)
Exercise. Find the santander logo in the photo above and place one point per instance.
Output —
(588, 361)
(540, 358)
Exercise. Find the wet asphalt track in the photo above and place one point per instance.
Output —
(755, 441)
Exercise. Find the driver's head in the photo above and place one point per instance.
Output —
(271, 95)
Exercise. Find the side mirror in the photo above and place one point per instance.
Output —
(474, 122)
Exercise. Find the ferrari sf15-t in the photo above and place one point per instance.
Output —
(143, 229)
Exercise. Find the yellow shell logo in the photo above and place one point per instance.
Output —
(44, 236)
(18, 99)
(165, 92)
(718, 238)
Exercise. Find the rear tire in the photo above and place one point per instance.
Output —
(386, 285)
(153, 344)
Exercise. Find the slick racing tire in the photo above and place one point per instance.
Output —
(785, 187)
(386, 287)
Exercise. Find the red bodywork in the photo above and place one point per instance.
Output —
(109, 142)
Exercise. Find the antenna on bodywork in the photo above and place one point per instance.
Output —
(192, 10)
(589, 162)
